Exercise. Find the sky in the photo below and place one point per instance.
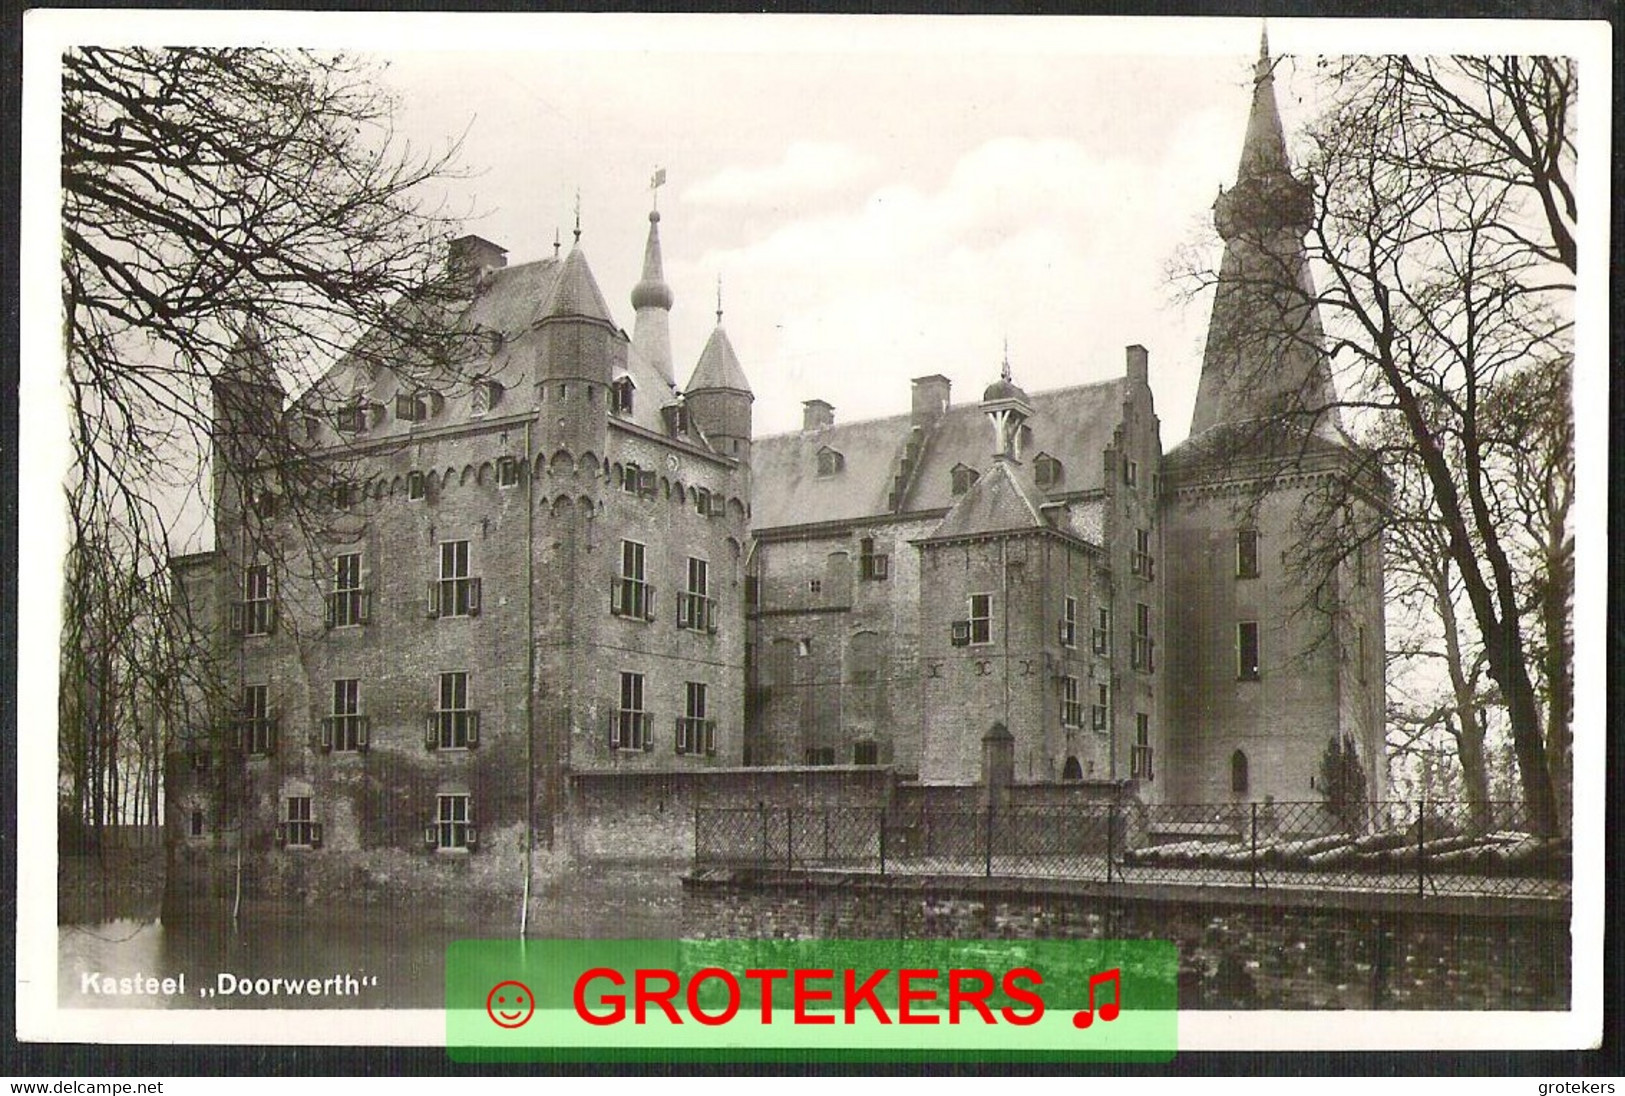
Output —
(881, 198)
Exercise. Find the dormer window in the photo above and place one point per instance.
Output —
(830, 462)
(621, 396)
(964, 476)
(411, 407)
(352, 418)
(1046, 470)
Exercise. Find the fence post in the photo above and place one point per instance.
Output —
(826, 835)
(1111, 838)
(882, 824)
(1421, 868)
(988, 842)
(789, 839)
(1253, 860)
(765, 860)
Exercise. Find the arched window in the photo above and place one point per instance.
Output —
(963, 477)
(830, 462)
(1046, 470)
(1238, 773)
(1072, 770)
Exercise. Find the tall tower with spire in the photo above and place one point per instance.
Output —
(1267, 660)
(652, 300)
(1265, 354)
(579, 349)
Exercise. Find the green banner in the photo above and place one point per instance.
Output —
(811, 1000)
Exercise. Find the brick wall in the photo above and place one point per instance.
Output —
(1231, 956)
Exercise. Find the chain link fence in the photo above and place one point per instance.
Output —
(1420, 847)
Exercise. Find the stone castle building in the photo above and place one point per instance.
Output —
(559, 561)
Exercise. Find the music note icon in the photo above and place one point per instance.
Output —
(1108, 1011)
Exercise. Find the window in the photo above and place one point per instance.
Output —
(507, 472)
(346, 727)
(629, 724)
(1069, 622)
(1046, 470)
(702, 501)
(1071, 706)
(455, 594)
(1102, 705)
(296, 829)
(981, 618)
(1247, 651)
(963, 478)
(352, 418)
(695, 732)
(1131, 472)
(347, 603)
(1238, 773)
(194, 827)
(453, 825)
(345, 495)
(629, 595)
(255, 615)
(696, 611)
(872, 566)
(1071, 770)
(417, 487)
(1143, 656)
(411, 407)
(453, 725)
(866, 752)
(629, 479)
(1246, 553)
(256, 726)
(639, 481)
(1140, 753)
(820, 755)
(620, 399)
(1140, 560)
(830, 462)
(1101, 639)
(815, 586)
(486, 394)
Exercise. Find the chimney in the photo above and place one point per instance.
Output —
(1139, 366)
(930, 399)
(816, 414)
(472, 258)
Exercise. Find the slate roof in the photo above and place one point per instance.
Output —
(718, 366)
(1003, 499)
(576, 293)
(1074, 425)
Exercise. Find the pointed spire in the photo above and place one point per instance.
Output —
(719, 300)
(1004, 374)
(248, 360)
(1263, 151)
(578, 216)
(718, 367)
(652, 299)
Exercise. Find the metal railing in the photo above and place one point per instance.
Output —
(1423, 848)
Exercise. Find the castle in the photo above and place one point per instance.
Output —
(562, 562)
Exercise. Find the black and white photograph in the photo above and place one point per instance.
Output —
(717, 478)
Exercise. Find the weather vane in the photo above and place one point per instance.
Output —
(656, 181)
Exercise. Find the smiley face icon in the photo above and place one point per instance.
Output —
(510, 1004)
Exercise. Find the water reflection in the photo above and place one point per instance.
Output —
(396, 955)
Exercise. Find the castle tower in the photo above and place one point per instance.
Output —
(578, 352)
(652, 300)
(1266, 664)
(247, 416)
(719, 397)
(1265, 353)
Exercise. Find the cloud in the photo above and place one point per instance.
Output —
(808, 168)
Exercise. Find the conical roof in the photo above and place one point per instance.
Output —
(576, 294)
(718, 366)
(248, 361)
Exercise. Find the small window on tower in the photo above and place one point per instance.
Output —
(507, 472)
(621, 393)
(1046, 470)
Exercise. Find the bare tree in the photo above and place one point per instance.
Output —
(1440, 236)
(217, 204)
